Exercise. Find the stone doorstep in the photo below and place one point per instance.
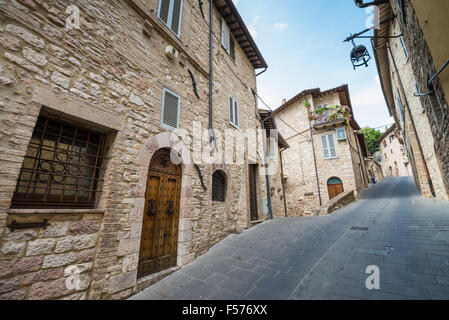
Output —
(148, 281)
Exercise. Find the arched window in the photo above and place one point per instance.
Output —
(218, 187)
(334, 187)
(333, 181)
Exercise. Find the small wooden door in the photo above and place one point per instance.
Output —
(159, 244)
(334, 187)
(253, 192)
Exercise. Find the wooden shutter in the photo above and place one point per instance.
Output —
(170, 109)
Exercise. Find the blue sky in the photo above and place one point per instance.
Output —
(302, 42)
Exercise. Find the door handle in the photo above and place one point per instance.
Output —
(152, 210)
(170, 207)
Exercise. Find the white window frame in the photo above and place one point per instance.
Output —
(170, 16)
(328, 146)
(404, 48)
(343, 129)
(235, 121)
(163, 109)
(225, 29)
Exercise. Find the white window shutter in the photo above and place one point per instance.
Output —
(325, 147)
(231, 110)
(226, 37)
(332, 149)
(170, 111)
(236, 113)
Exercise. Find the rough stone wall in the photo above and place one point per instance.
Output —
(421, 122)
(37, 264)
(299, 167)
(423, 68)
(110, 75)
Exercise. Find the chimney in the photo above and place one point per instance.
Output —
(284, 101)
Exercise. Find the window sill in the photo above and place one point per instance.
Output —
(54, 211)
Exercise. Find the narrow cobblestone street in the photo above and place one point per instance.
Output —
(322, 258)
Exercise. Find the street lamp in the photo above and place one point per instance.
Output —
(359, 56)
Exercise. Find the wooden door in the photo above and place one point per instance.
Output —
(253, 192)
(334, 187)
(159, 244)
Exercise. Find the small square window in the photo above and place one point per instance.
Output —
(341, 134)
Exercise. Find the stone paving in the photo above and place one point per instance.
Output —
(322, 258)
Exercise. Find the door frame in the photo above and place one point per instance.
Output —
(253, 192)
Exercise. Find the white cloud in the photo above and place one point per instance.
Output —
(252, 27)
(280, 26)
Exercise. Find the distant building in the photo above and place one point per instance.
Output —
(394, 155)
(326, 154)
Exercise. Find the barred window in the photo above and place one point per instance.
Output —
(218, 187)
(61, 168)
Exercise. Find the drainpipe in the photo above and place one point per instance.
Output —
(283, 183)
(314, 160)
(211, 75)
(426, 169)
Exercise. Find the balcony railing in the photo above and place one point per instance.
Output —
(336, 113)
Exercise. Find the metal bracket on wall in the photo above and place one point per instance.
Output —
(432, 79)
(194, 84)
(200, 2)
(28, 225)
(198, 169)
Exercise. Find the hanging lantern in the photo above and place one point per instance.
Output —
(359, 56)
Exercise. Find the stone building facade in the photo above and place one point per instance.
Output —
(395, 161)
(326, 157)
(93, 110)
(406, 63)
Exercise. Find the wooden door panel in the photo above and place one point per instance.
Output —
(335, 190)
(159, 244)
(253, 192)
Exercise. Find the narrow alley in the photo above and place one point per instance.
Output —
(407, 237)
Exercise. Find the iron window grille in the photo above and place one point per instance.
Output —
(218, 187)
(61, 169)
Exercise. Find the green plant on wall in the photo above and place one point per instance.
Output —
(335, 112)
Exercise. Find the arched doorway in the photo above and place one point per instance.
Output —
(334, 187)
(159, 244)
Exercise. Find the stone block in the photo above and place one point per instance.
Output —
(14, 295)
(84, 227)
(55, 229)
(122, 282)
(49, 289)
(26, 36)
(41, 275)
(128, 246)
(59, 260)
(130, 263)
(13, 248)
(9, 285)
(10, 268)
(40, 246)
